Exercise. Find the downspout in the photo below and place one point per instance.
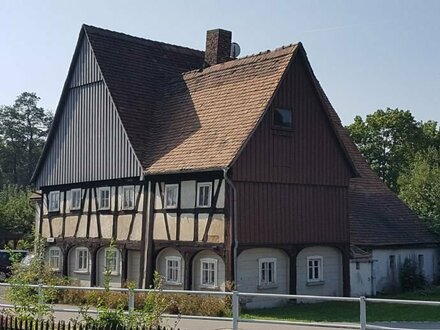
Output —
(234, 219)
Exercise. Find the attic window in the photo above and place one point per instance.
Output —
(282, 118)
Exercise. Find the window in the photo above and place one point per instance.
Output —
(392, 262)
(204, 191)
(209, 272)
(314, 269)
(75, 199)
(282, 118)
(104, 198)
(82, 260)
(421, 261)
(267, 271)
(128, 198)
(55, 258)
(112, 261)
(171, 195)
(54, 201)
(173, 270)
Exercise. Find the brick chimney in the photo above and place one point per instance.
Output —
(218, 46)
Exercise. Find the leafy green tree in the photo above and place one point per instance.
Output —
(23, 129)
(389, 139)
(420, 186)
(16, 212)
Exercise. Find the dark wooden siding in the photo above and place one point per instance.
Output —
(309, 154)
(293, 185)
(276, 213)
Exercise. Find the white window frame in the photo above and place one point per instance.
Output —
(320, 269)
(101, 189)
(201, 185)
(52, 195)
(261, 261)
(78, 251)
(72, 200)
(124, 189)
(165, 202)
(178, 281)
(116, 256)
(51, 257)
(208, 261)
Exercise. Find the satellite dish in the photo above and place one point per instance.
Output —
(235, 50)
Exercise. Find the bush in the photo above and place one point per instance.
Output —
(410, 276)
(28, 302)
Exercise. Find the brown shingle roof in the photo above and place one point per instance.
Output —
(135, 71)
(206, 116)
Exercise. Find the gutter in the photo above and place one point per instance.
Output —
(234, 219)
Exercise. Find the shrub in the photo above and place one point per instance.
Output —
(28, 302)
(410, 276)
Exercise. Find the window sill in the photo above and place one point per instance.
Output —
(209, 287)
(315, 283)
(173, 283)
(267, 286)
(82, 272)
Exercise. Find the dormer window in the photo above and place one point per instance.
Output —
(282, 118)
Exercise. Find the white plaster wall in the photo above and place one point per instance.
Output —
(332, 272)
(197, 275)
(115, 279)
(216, 233)
(382, 265)
(133, 266)
(161, 267)
(248, 275)
(360, 279)
(221, 195)
(83, 278)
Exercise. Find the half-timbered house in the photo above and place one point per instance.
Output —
(209, 169)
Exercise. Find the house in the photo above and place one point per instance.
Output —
(212, 169)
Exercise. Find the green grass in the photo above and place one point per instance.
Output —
(349, 312)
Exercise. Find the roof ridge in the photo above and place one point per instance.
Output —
(268, 51)
(240, 62)
(140, 40)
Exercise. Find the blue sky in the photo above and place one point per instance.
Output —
(366, 54)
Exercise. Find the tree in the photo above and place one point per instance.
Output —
(420, 186)
(16, 212)
(389, 139)
(23, 129)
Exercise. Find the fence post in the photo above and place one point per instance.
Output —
(363, 313)
(235, 310)
(130, 300)
(40, 299)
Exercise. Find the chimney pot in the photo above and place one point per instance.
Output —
(218, 46)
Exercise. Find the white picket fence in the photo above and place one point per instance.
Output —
(236, 295)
